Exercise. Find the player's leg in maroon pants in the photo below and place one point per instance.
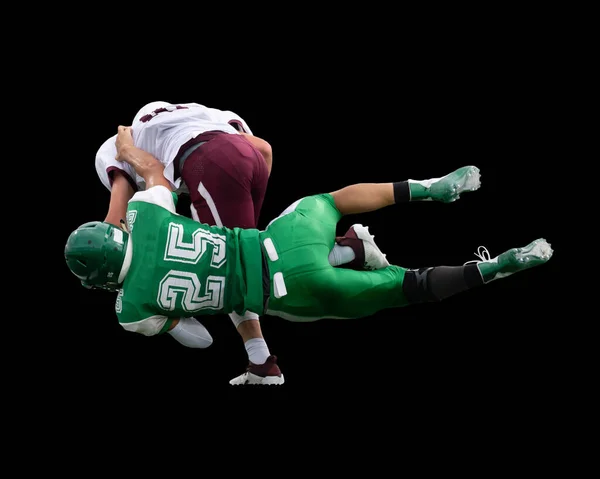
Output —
(227, 180)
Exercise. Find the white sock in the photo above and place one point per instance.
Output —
(257, 350)
(341, 255)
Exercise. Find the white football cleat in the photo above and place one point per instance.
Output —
(447, 189)
(260, 374)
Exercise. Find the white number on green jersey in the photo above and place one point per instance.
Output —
(180, 251)
(187, 284)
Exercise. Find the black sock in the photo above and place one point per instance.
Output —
(401, 192)
(440, 282)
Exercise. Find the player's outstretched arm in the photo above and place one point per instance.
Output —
(120, 194)
(145, 165)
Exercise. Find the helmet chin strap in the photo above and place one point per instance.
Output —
(124, 225)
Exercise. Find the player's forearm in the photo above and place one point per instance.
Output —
(364, 197)
(120, 194)
(141, 161)
(145, 165)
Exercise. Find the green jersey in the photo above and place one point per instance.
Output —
(178, 267)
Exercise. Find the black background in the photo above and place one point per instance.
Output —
(338, 111)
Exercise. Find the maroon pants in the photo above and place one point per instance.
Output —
(227, 180)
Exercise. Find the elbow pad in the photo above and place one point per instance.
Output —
(191, 333)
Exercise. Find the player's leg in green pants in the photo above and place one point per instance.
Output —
(337, 293)
(304, 286)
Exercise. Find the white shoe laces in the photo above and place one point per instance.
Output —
(482, 253)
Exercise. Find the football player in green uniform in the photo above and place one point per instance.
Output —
(166, 266)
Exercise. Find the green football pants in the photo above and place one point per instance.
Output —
(304, 286)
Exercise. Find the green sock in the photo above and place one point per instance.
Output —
(418, 191)
(488, 271)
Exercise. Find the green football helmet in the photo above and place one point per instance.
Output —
(95, 253)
